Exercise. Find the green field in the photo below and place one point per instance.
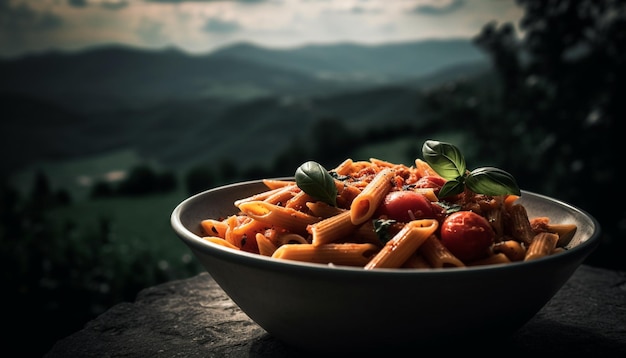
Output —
(135, 227)
(77, 175)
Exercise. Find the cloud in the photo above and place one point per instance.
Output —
(114, 4)
(214, 25)
(203, 25)
(438, 10)
(77, 3)
(105, 4)
(22, 17)
(182, 1)
(152, 32)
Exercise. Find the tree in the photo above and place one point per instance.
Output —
(141, 180)
(562, 85)
(199, 178)
(41, 196)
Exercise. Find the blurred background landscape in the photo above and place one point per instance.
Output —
(114, 111)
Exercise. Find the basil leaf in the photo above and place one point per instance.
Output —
(445, 158)
(491, 181)
(451, 187)
(315, 180)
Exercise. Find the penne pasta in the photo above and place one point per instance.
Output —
(520, 225)
(404, 244)
(214, 227)
(494, 216)
(278, 216)
(416, 262)
(511, 248)
(298, 201)
(220, 241)
(423, 169)
(344, 168)
(348, 254)
(366, 203)
(367, 233)
(495, 259)
(565, 231)
(428, 193)
(271, 196)
(241, 232)
(346, 194)
(276, 184)
(332, 228)
(543, 244)
(281, 196)
(363, 228)
(438, 255)
(323, 210)
(265, 244)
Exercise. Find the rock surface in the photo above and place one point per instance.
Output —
(195, 318)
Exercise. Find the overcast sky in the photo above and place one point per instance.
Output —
(197, 26)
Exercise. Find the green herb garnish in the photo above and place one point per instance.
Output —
(381, 228)
(447, 161)
(315, 180)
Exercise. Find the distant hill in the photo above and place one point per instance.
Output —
(386, 63)
(116, 76)
(180, 133)
(243, 102)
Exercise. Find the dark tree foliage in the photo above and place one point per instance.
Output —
(101, 189)
(285, 163)
(227, 170)
(62, 197)
(561, 90)
(166, 182)
(199, 178)
(57, 275)
(41, 196)
(140, 181)
(332, 140)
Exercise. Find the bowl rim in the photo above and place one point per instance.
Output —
(196, 243)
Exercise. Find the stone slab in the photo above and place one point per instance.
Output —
(195, 318)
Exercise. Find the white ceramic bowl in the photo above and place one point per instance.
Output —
(343, 309)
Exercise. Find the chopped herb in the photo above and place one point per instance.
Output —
(381, 227)
(335, 175)
(448, 207)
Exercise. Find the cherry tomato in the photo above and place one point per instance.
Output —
(398, 204)
(431, 181)
(467, 235)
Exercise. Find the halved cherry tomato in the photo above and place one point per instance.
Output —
(467, 235)
(398, 204)
(431, 181)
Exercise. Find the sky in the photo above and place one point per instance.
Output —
(201, 26)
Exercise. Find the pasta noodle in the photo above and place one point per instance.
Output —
(364, 205)
(279, 216)
(397, 250)
(542, 245)
(220, 241)
(416, 261)
(285, 223)
(331, 229)
(512, 249)
(438, 255)
(348, 254)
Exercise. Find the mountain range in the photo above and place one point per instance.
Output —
(179, 108)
